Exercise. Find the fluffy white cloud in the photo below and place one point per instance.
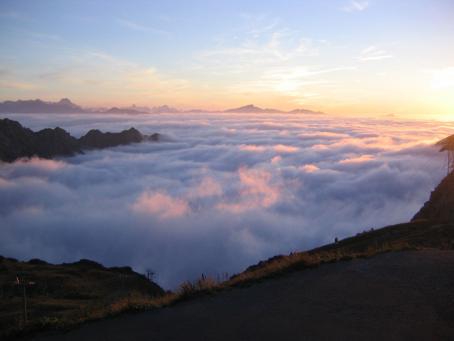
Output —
(255, 192)
(223, 192)
(161, 205)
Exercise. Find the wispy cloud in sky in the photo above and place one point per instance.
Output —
(374, 53)
(356, 6)
(139, 27)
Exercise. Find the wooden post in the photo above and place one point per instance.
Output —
(20, 280)
(24, 301)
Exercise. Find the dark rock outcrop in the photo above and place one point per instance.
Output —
(154, 137)
(17, 141)
(440, 207)
(57, 141)
(96, 139)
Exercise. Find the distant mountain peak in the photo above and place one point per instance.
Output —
(251, 108)
(65, 105)
(65, 101)
(163, 109)
(305, 111)
(39, 106)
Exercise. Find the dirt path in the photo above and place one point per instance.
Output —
(395, 296)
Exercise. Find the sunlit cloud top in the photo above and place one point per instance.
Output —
(357, 57)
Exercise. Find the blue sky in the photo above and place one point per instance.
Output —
(359, 57)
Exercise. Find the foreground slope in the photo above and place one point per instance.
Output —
(396, 296)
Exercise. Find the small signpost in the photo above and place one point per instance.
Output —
(150, 274)
(22, 282)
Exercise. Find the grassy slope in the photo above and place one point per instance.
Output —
(67, 292)
(408, 236)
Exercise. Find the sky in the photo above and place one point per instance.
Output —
(219, 192)
(355, 57)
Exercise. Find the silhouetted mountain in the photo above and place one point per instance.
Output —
(163, 109)
(198, 111)
(57, 141)
(142, 110)
(153, 137)
(116, 110)
(97, 139)
(39, 106)
(250, 108)
(66, 106)
(257, 110)
(305, 111)
(17, 141)
(139, 108)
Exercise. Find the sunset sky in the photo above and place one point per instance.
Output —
(374, 57)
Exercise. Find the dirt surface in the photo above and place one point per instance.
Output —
(395, 296)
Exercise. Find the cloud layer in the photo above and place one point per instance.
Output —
(223, 192)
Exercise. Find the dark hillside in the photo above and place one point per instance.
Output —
(440, 206)
(65, 291)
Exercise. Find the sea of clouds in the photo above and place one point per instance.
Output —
(221, 192)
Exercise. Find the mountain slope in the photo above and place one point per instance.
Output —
(65, 290)
(440, 206)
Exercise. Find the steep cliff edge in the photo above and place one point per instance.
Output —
(440, 206)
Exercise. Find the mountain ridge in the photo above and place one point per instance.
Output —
(63, 106)
(17, 141)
